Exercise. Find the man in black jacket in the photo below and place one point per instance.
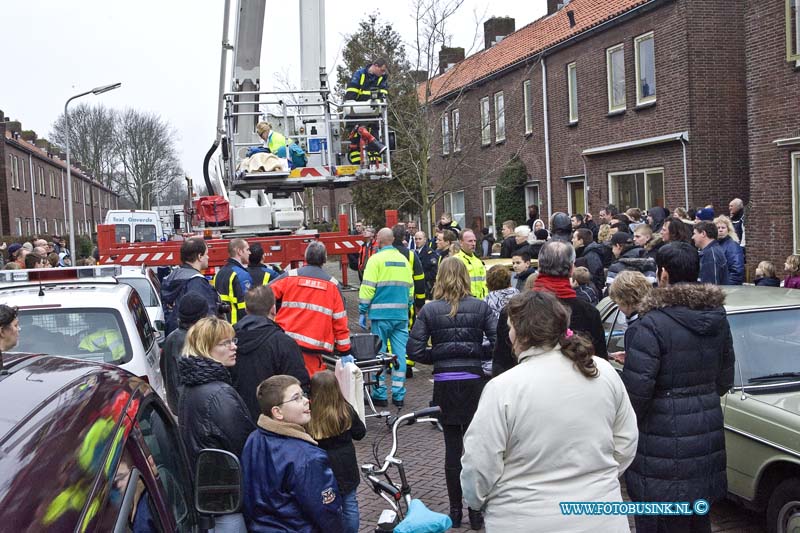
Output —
(679, 360)
(591, 255)
(191, 308)
(556, 264)
(263, 349)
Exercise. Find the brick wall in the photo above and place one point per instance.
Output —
(773, 93)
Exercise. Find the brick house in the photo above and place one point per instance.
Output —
(634, 102)
(33, 177)
(773, 127)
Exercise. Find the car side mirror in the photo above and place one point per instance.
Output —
(218, 483)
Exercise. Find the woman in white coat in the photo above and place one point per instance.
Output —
(558, 427)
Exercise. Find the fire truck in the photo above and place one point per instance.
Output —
(265, 206)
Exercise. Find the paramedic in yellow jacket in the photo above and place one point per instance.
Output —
(386, 294)
(475, 267)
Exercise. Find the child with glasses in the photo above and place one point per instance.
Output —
(288, 481)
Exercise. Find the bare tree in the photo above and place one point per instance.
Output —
(91, 139)
(145, 146)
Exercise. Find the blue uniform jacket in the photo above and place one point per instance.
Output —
(288, 486)
(713, 265)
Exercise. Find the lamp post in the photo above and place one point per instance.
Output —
(97, 90)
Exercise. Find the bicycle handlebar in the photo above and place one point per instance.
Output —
(428, 411)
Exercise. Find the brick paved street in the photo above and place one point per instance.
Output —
(422, 448)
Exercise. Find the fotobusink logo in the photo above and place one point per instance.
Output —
(699, 507)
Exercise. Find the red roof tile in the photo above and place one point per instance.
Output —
(526, 42)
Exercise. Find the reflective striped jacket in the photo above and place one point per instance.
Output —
(311, 310)
(362, 84)
(387, 290)
(477, 274)
(232, 282)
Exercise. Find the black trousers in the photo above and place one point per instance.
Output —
(453, 449)
(673, 524)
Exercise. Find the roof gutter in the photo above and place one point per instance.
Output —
(639, 143)
(616, 21)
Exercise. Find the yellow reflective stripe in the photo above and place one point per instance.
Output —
(234, 302)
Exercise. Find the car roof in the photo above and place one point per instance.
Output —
(749, 297)
(62, 422)
(66, 294)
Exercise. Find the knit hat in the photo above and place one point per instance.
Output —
(28, 246)
(705, 214)
(621, 238)
(192, 308)
(14, 248)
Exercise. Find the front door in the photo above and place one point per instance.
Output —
(576, 191)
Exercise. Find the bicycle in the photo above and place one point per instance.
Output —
(406, 514)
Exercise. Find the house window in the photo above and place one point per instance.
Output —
(644, 46)
(55, 225)
(42, 183)
(22, 177)
(572, 91)
(486, 134)
(793, 31)
(527, 106)
(27, 226)
(637, 188)
(489, 209)
(18, 224)
(44, 225)
(52, 184)
(454, 204)
(499, 117)
(531, 196)
(796, 199)
(33, 182)
(445, 133)
(615, 66)
(455, 120)
(13, 164)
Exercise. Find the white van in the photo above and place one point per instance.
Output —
(136, 226)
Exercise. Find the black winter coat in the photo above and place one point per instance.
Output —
(592, 257)
(585, 319)
(211, 414)
(170, 359)
(456, 342)
(679, 361)
(263, 351)
(342, 453)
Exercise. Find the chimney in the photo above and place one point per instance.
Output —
(2, 116)
(555, 5)
(449, 57)
(495, 29)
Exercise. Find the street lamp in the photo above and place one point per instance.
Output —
(97, 90)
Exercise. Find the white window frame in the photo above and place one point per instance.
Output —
(489, 211)
(455, 122)
(612, 199)
(326, 213)
(18, 222)
(641, 100)
(620, 48)
(44, 225)
(571, 208)
(22, 177)
(28, 227)
(527, 106)
(795, 159)
(572, 92)
(42, 182)
(445, 133)
(499, 117)
(531, 197)
(486, 132)
(450, 206)
(793, 33)
(52, 184)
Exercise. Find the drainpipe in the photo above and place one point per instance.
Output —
(546, 142)
(685, 173)
(587, 189)
(33, 196)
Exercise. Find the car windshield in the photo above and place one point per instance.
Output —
(767, 346)
(145, 233)
(144, 289)
(92, 334)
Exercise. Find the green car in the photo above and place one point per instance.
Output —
(762, 410)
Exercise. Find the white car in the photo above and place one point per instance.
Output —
(65, 311)
(146, 283)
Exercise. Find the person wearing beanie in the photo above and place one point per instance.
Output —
(191, 308)
(706, 213)
(17, 253)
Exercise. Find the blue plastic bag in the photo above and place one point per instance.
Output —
(420, 519)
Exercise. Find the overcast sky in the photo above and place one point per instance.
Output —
(166, 53)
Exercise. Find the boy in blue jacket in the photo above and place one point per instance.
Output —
(288, 481)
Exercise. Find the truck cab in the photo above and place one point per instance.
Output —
(136, 225)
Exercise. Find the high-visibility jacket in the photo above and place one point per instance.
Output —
(362, 84)
(477, 274)
(417, 274)
(312, 310)
(232, 282)
(261, 274)
(367, 250)
(107, 339)
(387, 290)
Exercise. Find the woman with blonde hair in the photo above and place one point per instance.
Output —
(604, 233)
(455, 323)
(792, 268)
(211, 414)
(734, 254)
(557, 427)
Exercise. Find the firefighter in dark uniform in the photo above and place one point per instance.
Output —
(367, 82)
(418, 275)
(233, 280)
(430, 261)
(259, 272)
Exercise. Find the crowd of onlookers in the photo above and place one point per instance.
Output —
(40, 253)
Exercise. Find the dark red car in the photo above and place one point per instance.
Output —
(87, 446)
